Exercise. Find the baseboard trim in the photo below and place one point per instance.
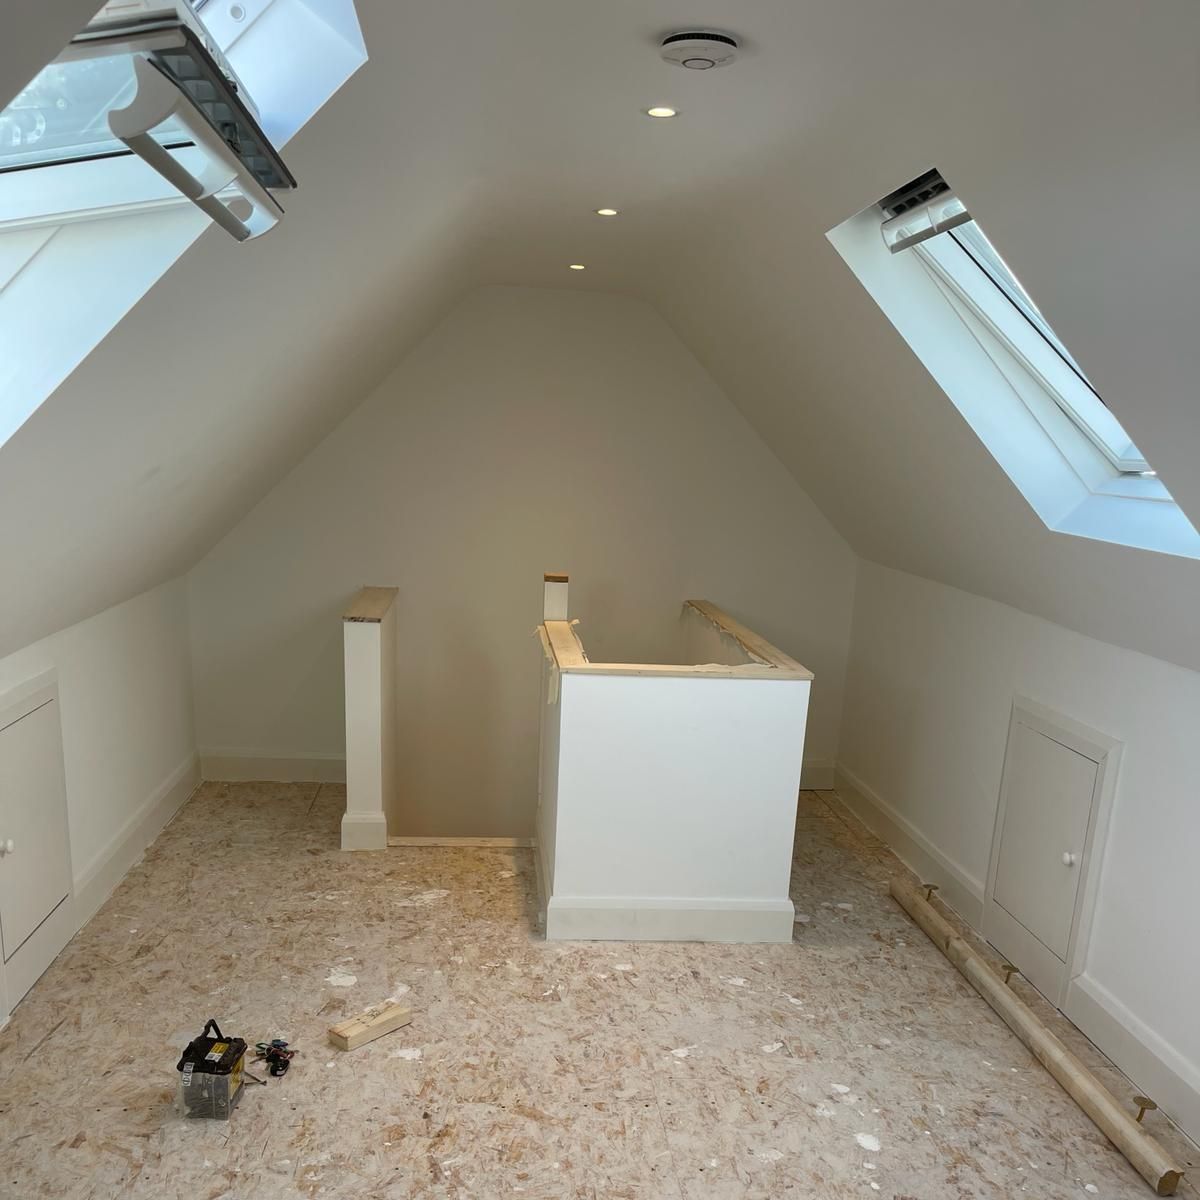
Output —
(486, 843)
(542, 871)
(1152, 1065)
(958, 888)
(233, 765)
(364, 831)
(100, 876)
(817, 776)
(655, 919)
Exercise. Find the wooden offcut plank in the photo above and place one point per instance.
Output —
(565, 644)
(369, 1025)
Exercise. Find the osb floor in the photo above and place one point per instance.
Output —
(852, 1063)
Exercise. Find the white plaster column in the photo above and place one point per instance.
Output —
(369, 637)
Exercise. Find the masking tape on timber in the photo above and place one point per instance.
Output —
(1145, 1155)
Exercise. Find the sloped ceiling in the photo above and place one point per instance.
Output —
(474, 147)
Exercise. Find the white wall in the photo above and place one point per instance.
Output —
(676, 808)
(125, 698)
(533, 430)
(932, 678)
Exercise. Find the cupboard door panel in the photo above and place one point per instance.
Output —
(35, 873)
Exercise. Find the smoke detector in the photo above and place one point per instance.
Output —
(699, 50)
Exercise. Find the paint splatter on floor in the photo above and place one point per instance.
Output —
(541, 1071)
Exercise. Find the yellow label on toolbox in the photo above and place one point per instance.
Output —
(214, 1055)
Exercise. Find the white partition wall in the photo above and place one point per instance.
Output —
(369, 636)
(667, 793)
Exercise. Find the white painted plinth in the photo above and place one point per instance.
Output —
(364, 831)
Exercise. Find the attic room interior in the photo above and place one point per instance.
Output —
(599, 601)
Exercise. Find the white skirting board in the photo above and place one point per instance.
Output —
(655, 919)
(364, 831)
(1154, 1067)
(98, 878)
(233, 765)
(960, 890)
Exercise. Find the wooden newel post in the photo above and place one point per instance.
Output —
(369, 638)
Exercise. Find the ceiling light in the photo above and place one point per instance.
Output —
(660, 110)
(606, 212)
(578, 267)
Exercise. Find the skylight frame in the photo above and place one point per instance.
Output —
(1043, 356)
(998, 383)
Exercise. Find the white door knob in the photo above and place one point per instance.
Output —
(1069, 859)
(8, 846)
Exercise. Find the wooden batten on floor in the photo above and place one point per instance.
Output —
(1145, 1155)
(369, 1025)
(494, 843)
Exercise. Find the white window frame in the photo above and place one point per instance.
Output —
(953, 265)
(1014, 389)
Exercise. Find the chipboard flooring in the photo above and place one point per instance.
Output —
(853, 1063)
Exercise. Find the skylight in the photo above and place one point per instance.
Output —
(90, 220)
(947, 289)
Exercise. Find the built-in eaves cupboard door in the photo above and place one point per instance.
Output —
(1045, 842)
(35, 855)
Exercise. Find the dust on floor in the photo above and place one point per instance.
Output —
(854, 1062)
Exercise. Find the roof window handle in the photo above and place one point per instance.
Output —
(157, 99)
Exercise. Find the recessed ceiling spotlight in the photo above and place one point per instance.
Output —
(606, 212)
(578, 267)
(661, 110)
(699, 49)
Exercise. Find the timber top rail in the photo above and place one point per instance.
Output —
(769, 662)
(371, 604)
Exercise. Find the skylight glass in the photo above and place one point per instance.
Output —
(63, 114)
(967, 260)
(1100, 424)
(974, 241)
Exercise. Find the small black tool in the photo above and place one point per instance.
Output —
(276, 1055)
